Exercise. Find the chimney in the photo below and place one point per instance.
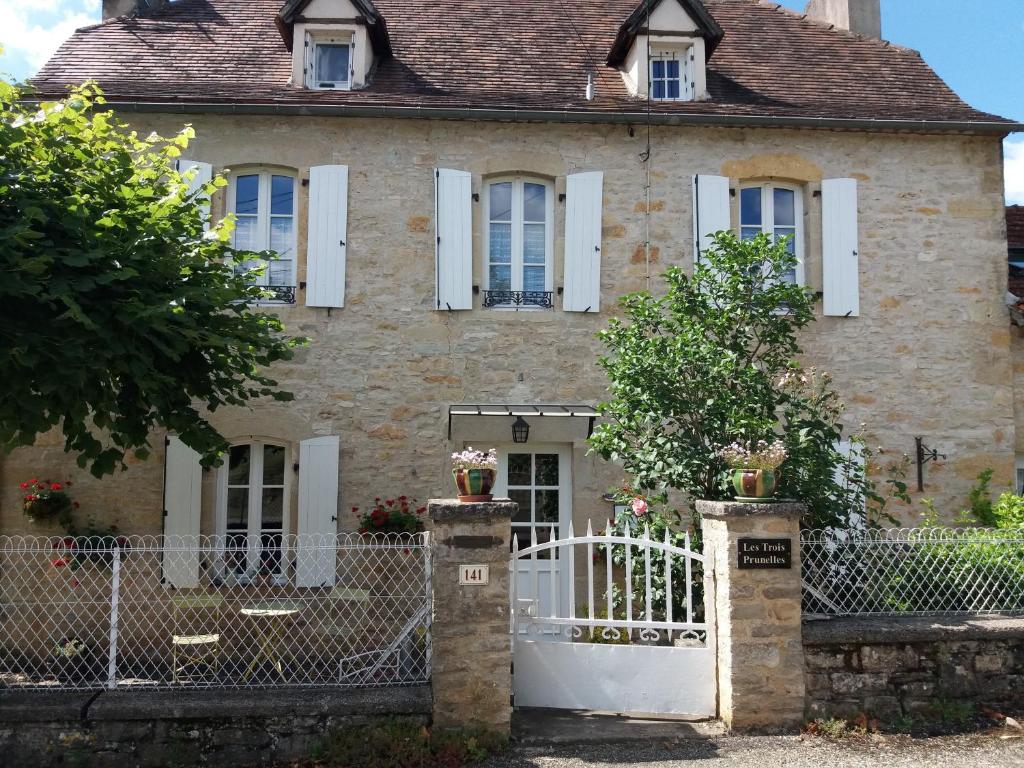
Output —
(861, 16)
(114, 8)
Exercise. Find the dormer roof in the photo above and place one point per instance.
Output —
(368, 14)
(636, 24)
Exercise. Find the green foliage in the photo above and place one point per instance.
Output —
(1008, 512)
(404, 744)
(713, 362)
(118, 313)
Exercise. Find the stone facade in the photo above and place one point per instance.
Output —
(757, 617)
(910, 666)
(470, 641)
(929, 355)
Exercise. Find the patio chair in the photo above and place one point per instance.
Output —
(195, 639)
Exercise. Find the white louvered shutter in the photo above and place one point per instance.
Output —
(710, 211)
(328, 234)
(454, 229)
(583, 196)
(183, 479)
(203, 174)
(315, 557)
(840, 262)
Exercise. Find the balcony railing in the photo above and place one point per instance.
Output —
(517, 299)
(280, 294)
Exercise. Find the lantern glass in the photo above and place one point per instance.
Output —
(520, 430)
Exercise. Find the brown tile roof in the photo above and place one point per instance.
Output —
(1015, 226)
(517, 54)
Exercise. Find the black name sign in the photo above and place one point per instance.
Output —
(765, 553)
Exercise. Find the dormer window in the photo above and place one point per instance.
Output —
(330, 62)
(671, 74)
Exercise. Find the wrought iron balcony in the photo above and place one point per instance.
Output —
(280, 294)
(539, 299)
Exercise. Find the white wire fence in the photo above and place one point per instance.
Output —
(907, 571)
(240, 612)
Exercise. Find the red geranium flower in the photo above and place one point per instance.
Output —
(390, 502)
(55, 486)
(24, 486)
(420, 510)
(60, 562)
(378, 517)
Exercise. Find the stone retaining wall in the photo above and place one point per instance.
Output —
(892, 668)
(167, 729)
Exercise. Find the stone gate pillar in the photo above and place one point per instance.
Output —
(753, 551)
(470, 641)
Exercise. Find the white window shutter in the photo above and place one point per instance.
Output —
(710, 211)
(315, 557)
(203, 175)
(328, 234)
(583, 197)
(454, 224)
(183, 478)
(840, 263)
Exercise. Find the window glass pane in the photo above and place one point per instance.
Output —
(500, 278)
(280, 272)
(519, 469)
(785, 213)
(238, 465)
(247, 190)
(672, 69)
(547, 469)
(521, 533)
(787, 232)
(672, 89)
(273, 465)
(501, 201)
(1020, 480)
(245, 234)
(534, 207)
(273, 508)
(750, 206)
(282, 192)
(749, 233)
(789, 276)
(282, 235)
(533, 279)
(547, 506)
(523, 499)
(534, 244)
(657, 69)
(659, 89)
(500, 243)
(238, 509)
(332, 63)
(270, 553)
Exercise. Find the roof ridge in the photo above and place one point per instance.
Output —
(778, 7)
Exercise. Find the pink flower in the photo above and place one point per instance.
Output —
(639, 507)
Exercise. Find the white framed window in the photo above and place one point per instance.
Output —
(671, 74)
(776, 210)
(264, 203)
(252, 510)
(519, 243)
(329, 62)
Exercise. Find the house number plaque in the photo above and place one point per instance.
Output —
(474, 575)
(765, 553)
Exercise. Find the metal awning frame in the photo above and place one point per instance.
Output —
(535, 411)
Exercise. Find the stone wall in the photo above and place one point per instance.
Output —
(168, 729)
(892, 668)
(929, 354)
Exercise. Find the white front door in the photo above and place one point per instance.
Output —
(539, 479)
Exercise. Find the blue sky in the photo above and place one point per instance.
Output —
(975, 46)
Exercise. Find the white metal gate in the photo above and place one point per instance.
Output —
(636, 646)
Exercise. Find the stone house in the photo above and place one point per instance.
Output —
(460, 192)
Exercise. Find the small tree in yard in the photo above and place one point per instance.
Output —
(118, 312)
(713, 362)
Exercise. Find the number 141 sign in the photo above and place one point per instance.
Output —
(474, 575)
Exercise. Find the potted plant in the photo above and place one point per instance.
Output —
(44, 500)
(754, 468)
(474, 473)
(69, 660)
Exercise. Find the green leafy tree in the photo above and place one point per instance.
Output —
(119, 313)
(713, 362)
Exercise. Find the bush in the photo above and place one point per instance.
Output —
(405, 744)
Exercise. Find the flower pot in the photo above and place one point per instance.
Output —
(754, 484)
(474, 484)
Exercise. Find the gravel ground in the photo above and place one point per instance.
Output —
(991, 750)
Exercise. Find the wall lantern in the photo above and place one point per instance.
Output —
(520, 430)
(924, 455)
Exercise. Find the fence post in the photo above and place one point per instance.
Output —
(752, 552)
(115, 597)
(471, 645)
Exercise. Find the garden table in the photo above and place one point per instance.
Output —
(270, 625)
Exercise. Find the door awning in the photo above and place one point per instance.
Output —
(584, 415)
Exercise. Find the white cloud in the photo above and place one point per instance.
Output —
(33, 31)
(1013, 154)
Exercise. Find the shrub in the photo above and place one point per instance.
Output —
(405, 744)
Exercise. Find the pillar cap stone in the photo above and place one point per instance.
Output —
(740, 509)
(442, 510)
